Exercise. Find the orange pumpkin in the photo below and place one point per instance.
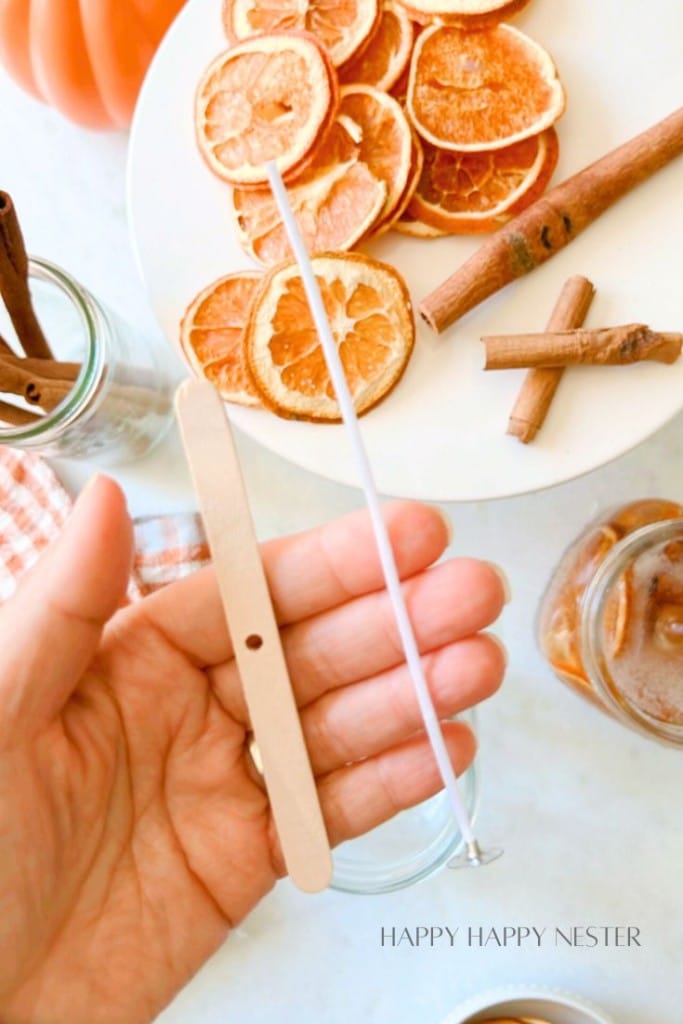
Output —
(87, 58)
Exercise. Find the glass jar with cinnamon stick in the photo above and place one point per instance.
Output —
(75, 381)
(611, 621)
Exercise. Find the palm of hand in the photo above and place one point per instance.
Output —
(161, 833)
(134, 829)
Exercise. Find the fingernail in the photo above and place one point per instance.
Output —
(501, 647)
(90, 485)
(445, 518)
(82, 496)
(505, 582)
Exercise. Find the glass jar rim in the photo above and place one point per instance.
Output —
(366, 874)
(592, 612)
(92, 369)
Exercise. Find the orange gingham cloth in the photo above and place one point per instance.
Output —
(34, 508)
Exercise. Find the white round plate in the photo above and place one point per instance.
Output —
(441, 434)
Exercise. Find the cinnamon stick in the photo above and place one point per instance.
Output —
(540, 385)
(5, 348)
(52, 369)
(604, 346)
(14, 416)
(48, 394)
(14, 285)
(34, 388)
(553, 221)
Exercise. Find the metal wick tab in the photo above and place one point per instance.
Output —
(474, 857)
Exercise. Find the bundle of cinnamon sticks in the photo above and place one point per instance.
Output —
(34, 375)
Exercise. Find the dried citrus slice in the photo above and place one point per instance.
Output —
(389, 218)
(383, 135)
(371, 317)
(385, 56)
(342, 26)
(616, 614)
(467, 193)
(470, 91)
(336, 201)
(409, 225)
(212, 335)
(359, 175)
(467, 14)
(269, 98)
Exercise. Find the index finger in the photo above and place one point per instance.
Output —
(308, 573)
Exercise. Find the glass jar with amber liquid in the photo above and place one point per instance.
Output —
(611, 620)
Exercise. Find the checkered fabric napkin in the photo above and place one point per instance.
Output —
(34, 507)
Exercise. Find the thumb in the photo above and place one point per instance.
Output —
(50, 629)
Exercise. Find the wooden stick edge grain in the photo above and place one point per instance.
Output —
(223, 501)
(540, 386)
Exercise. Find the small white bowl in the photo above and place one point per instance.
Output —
(549, 1004)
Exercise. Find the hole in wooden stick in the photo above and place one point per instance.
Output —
(254, 641)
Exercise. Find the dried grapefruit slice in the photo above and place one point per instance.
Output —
(372, 322)
(336, 201)
(269, 98)
(385, 56)
(384, 138)
(467, 14)
(470, 91)
(342, 26)
(212, 335)
(467, 193)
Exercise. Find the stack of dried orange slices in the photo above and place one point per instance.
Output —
(431, 116)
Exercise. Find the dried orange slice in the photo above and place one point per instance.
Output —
(342, 26)
(383, 135)
(336, 201)
(470, 91)
(399, 89)
(371, 317)
(385, 56)
(212, 335)
(467, 193)
(359, 175)
(389, 218)
(269, 98)
(617, 612)
(467, 14)
(409, 225)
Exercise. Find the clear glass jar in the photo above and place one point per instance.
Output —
(120, 403)
(413, 845)
(611, 621)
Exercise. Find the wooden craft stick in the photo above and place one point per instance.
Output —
(255, 635)
(603, 346)
(540, 385)
(553, 221)
(14, 285)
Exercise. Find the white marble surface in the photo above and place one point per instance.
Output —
(590, 815)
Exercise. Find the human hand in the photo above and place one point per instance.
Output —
(134, 828)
